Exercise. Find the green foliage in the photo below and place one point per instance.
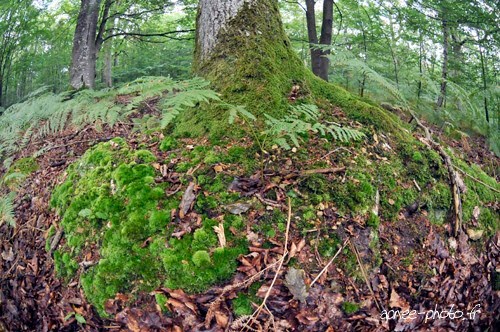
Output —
(373, 220)
(49, 114)
(161, 300)
(350, 307)
(301, 120)
(7, 210)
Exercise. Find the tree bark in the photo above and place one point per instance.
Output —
(84, 56)
(444, 70)
(485, 85)
(319, 60)
(107, 69)
(242, 49)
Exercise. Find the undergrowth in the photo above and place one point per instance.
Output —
(49, 114)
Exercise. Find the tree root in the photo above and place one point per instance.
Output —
(457, 185)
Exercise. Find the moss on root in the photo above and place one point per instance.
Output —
(111, 203)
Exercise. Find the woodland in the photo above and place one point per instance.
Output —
(249, 165)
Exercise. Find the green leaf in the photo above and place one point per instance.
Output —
(80, 319)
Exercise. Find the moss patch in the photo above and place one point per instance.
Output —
(113, 209)
(18, 171)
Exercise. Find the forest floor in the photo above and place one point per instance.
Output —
(417, 270)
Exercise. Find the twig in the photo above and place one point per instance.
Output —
(416, 185)
(55, 241)
(329, 263)
(281, 260)
(267, 201)
(358, 258)
(477, 180)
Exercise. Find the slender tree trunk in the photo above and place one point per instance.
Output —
(485, 86)
(444, 71)
(83, 66)
(1, 92)
(420, 69)
(365, 59)
(108, 66)
(319, 60)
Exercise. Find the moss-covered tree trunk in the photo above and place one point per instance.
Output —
(242, 48)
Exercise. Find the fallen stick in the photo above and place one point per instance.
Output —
(55, 241)
(477, 180)
(329, 263)
(358, 258)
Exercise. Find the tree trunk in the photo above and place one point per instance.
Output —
(242, 48)
(444, 71)
(1, 91)
(485, 86)
(107, 69)
(420, 69)
(83, 66)
(319, 60)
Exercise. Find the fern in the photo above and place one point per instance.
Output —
(7, 210)
(301, 120)
(47, 114)
(235, 111)
(13, 180)
(183, 99)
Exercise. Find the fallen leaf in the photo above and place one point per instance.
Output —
(294, 280)
(8, 256)
(398, 302)
(238, 208)
(187, 200)
(475, 234)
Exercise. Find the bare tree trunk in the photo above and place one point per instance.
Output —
(319, 60)
(420, 69)
(444, 71)
(485, 86)
(1, 92)
(107, 69)
(82, 73)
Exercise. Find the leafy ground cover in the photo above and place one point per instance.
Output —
(148, 229)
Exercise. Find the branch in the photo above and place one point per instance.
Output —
(160, 34)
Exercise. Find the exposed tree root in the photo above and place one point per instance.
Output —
(457, 185)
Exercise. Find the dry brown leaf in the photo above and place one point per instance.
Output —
(396, 301)
(221, 319)
(187, 200)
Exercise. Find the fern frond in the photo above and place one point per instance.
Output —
(7, 214)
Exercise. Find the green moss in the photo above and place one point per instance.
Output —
(328, 245)
(373, 220)
(357, 195)
(409, 259)
(24, 165)
(201, 258)
(350, 307)
(161, 300)
(168, 143)
(242, 305)
(144, 156)
(111, 201)
(18, 171)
